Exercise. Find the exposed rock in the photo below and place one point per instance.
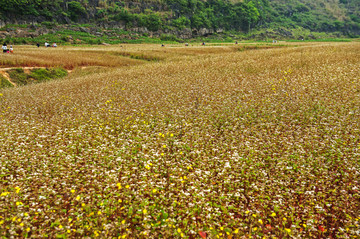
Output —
(185, 34)
(84, 29)
(205, 32)
(4, 34)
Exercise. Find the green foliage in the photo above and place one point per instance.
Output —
(214, 14)
(4, 83)
(18, 76)
(169, 37)
(47, 74)
(246, 15)
(76, 10)
(181, 22)
(49, 24)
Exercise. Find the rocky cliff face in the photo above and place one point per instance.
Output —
(109, 29)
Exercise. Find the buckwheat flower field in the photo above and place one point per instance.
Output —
(143, 141)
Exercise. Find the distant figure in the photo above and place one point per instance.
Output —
(203, 44)
(38, 45)
(11, 49)
(186, 44)
(236, 42)
(4, 47)
(54, 44)
(162, 45)
(47, 44)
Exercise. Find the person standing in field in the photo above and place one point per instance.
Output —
(38, 45)
(4, 47)
(11, 49)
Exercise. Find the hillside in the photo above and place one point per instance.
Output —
(190, 18)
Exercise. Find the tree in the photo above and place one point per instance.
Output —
(76, 10)
(252, 14)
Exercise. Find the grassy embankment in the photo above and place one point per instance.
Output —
(214, 140)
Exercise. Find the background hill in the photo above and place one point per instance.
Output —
(189, 18)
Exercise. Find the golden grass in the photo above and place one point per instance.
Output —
(214, 140)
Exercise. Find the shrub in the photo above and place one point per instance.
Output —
(181, 22)
(169, 37)
(76, 10)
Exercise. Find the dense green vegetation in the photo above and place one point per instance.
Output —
(20, 77)
(321, 16)
(4, 83)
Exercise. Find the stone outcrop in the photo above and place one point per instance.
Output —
(109, 29)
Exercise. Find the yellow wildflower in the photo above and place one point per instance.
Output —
(4, 194)
(127, 186)
(144, 211)
(260, 221)
(28, 229)
(72, 191)
(236, 231)
(179, 230)
(273, 214)
(288, 230)
(60, 226)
